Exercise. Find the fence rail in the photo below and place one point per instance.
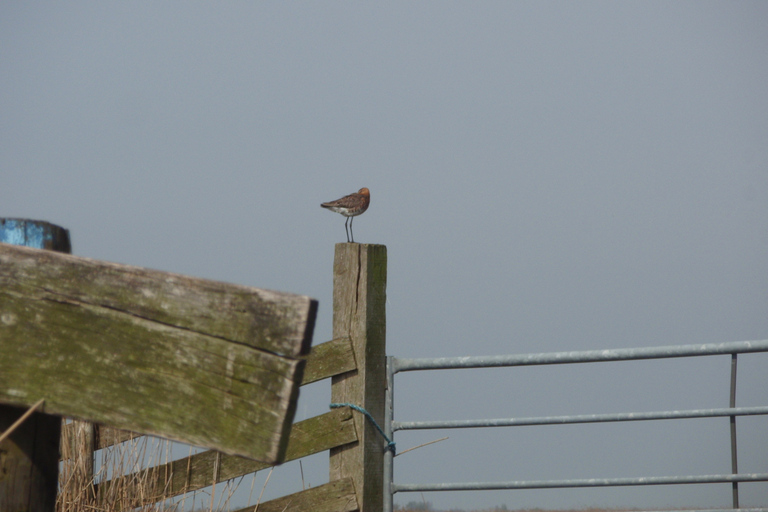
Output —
(584, 356)
(396, 365)
(583, 482)
(580, 418)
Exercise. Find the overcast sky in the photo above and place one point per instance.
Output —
(546, 176)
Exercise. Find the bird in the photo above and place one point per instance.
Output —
(350, 206)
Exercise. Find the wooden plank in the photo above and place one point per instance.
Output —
(328, 359)
(359, 298)
(336, 496)
(275, 321)
(103, 436)
(29, 458)
(324, 361)
(313, 435)
(110, 436)
(205, 363)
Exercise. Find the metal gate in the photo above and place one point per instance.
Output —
(396, 365)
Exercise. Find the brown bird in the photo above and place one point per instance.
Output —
(350, 206)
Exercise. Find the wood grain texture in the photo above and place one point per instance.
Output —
(336, 496)
(29, 463)
(324, 361)
(206, 363)
(359, 299)
(275, 321)
(328, 359)
(103, 437)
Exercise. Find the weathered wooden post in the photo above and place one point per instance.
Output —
(29, 457)
(78, 446)
(359, 298)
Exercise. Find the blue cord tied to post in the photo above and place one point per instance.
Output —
(390, 443)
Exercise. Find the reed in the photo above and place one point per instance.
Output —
(86, 482)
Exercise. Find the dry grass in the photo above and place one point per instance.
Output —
(85, 485)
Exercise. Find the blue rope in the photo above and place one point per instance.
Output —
(390, 443)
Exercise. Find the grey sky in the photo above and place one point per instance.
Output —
(546, 176)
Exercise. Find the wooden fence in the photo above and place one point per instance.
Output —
(354, 360)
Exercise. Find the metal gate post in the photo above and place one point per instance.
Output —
(389, 413)
(734, 462)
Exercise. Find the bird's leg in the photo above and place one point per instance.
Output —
(345, 228)
(351, 220)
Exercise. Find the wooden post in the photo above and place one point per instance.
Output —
(29, 458)
(77, 469)
(359, 297)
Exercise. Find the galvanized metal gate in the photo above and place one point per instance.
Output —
(396, 365)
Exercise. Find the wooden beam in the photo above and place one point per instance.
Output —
(205, 363)
(323, 362)
(336, 496)
(328, 359)
(359, 298)
(274, 321)
(103, 436)
(313, 435)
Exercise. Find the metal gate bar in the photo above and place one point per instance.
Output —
(585, 356)
(582, 418)
(395, 365)
(583, 482)
(712, 510)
